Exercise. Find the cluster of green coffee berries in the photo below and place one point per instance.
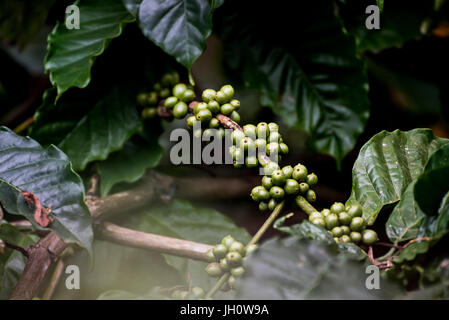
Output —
(345, 224)
(279, 183)
(261, 144)
(196, 293)
(214, 102)
(228, 256)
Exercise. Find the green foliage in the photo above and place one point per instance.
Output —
(71, 53)
(26, 166)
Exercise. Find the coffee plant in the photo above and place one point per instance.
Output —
(337, 132)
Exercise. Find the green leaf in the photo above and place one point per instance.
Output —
(26, 166)
(311, 78)
(296, 269)
(71, 52)
(380, 4)
(179, 27)
(130, 163)
(103, 130)
(410, 253)
(183, 221)
(12, 262)
(387, 164)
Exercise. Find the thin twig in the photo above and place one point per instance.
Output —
(17, 248)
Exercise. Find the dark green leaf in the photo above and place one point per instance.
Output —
(12, 262)
(387, 164)
(410, 253)
(130, 163)
(179, 27)
(296, 269)
(26, 166)
(71, 52)
(311, 77)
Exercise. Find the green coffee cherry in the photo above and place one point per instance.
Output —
(234, 259)
(208, 95)
(250, 131)
(267, 182)
(344, 218)
(235, 103)
(344, 239)
(312, 179)
(228, 90)
(164, 93)
(238, 155)
(272, 204)
(176, 295)
(355, 210)
(197, 133)
(355, 236)
(183, 295)
(204, 115)
(166, 80)
(247, 144)
(299, 173)
(310, 195)
(157, 86)
(237, 246)
(337, 207)
(178, 90)
(220, 133)
(224, 265)
(331, 221)
(180, 110)
(283, 148)
(213, 106)
(272, 148)
(357, 224)
(336, 240)
(319, 222)
(221, 97)
(345, 230)
(315, 215)
(152, 98)
(303, 187)
(277, 193)
(251, 161)
(232, 282)
(227, 241)
(235, 116)
(213, 269)
(250, 249)
(263, 206)
(273, 127)
(262, 130)
(238, 272)
(369, 237)
(198, 292)
(238, 164)
(188, 95)
(214, 123)
(287, 170)
(237, 136)
(219, 251)
(198, 107)
(263, 159)
(291, 187)
(325, 212)
(270, 168)
(191, 122)
(274, 137)
(149, 113)
(278, 178)
(226, 109)
(141, 99)
(261, 144)
(259, 193)
(210, 256)
(337, 232)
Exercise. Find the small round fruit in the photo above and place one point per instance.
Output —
(250, 131)
(213, 269)
(180, 110)
(219, 251)
(344, 218)
(355, 236)
(299, 173)
(228, 90)
(311, 195)
(234, 259)
(331, 221)
(157, 86)
(262, 130)
(232, 282)
(247, 144)
(235, 103)
(272, 204)
(274, 137)
(263, 159)
(315, 215)
(336, 240)
(270, 168)
(312, 179)
(214, 123)
(183, 295)
(164, 93)
(198, 107)
(278, 178)
(210, 256)
(303, 187)
(267, 182)
(198, 292)
(319, 222)
(208, 95)
(369, 237)
(166, 80)
(357, 224)
(325, 212)
(178, 90)
(141, 99)
(263, 206)
(191, 122)
(251, 161)
(283, 148)
(227, 241)
(237, 246)
(221, 97)
(226, 109)
(250, 249)
(291, 187)
(355, 210)
(273, 127)
(213, 106)
(235, 116)
(176, 295)
(238, 272)
(344, 239)
(272, 148)
(204, 115)
(337, 207)
(197, 133)
(220, 133)
(337, 232)
(152, 98)
(345, 230)
(255, 193)
(188, 95)
(261, 144)
(263, 194)
(149, 113)
(277, 193)
(224, 265)
(237, 136)
(287, 170)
